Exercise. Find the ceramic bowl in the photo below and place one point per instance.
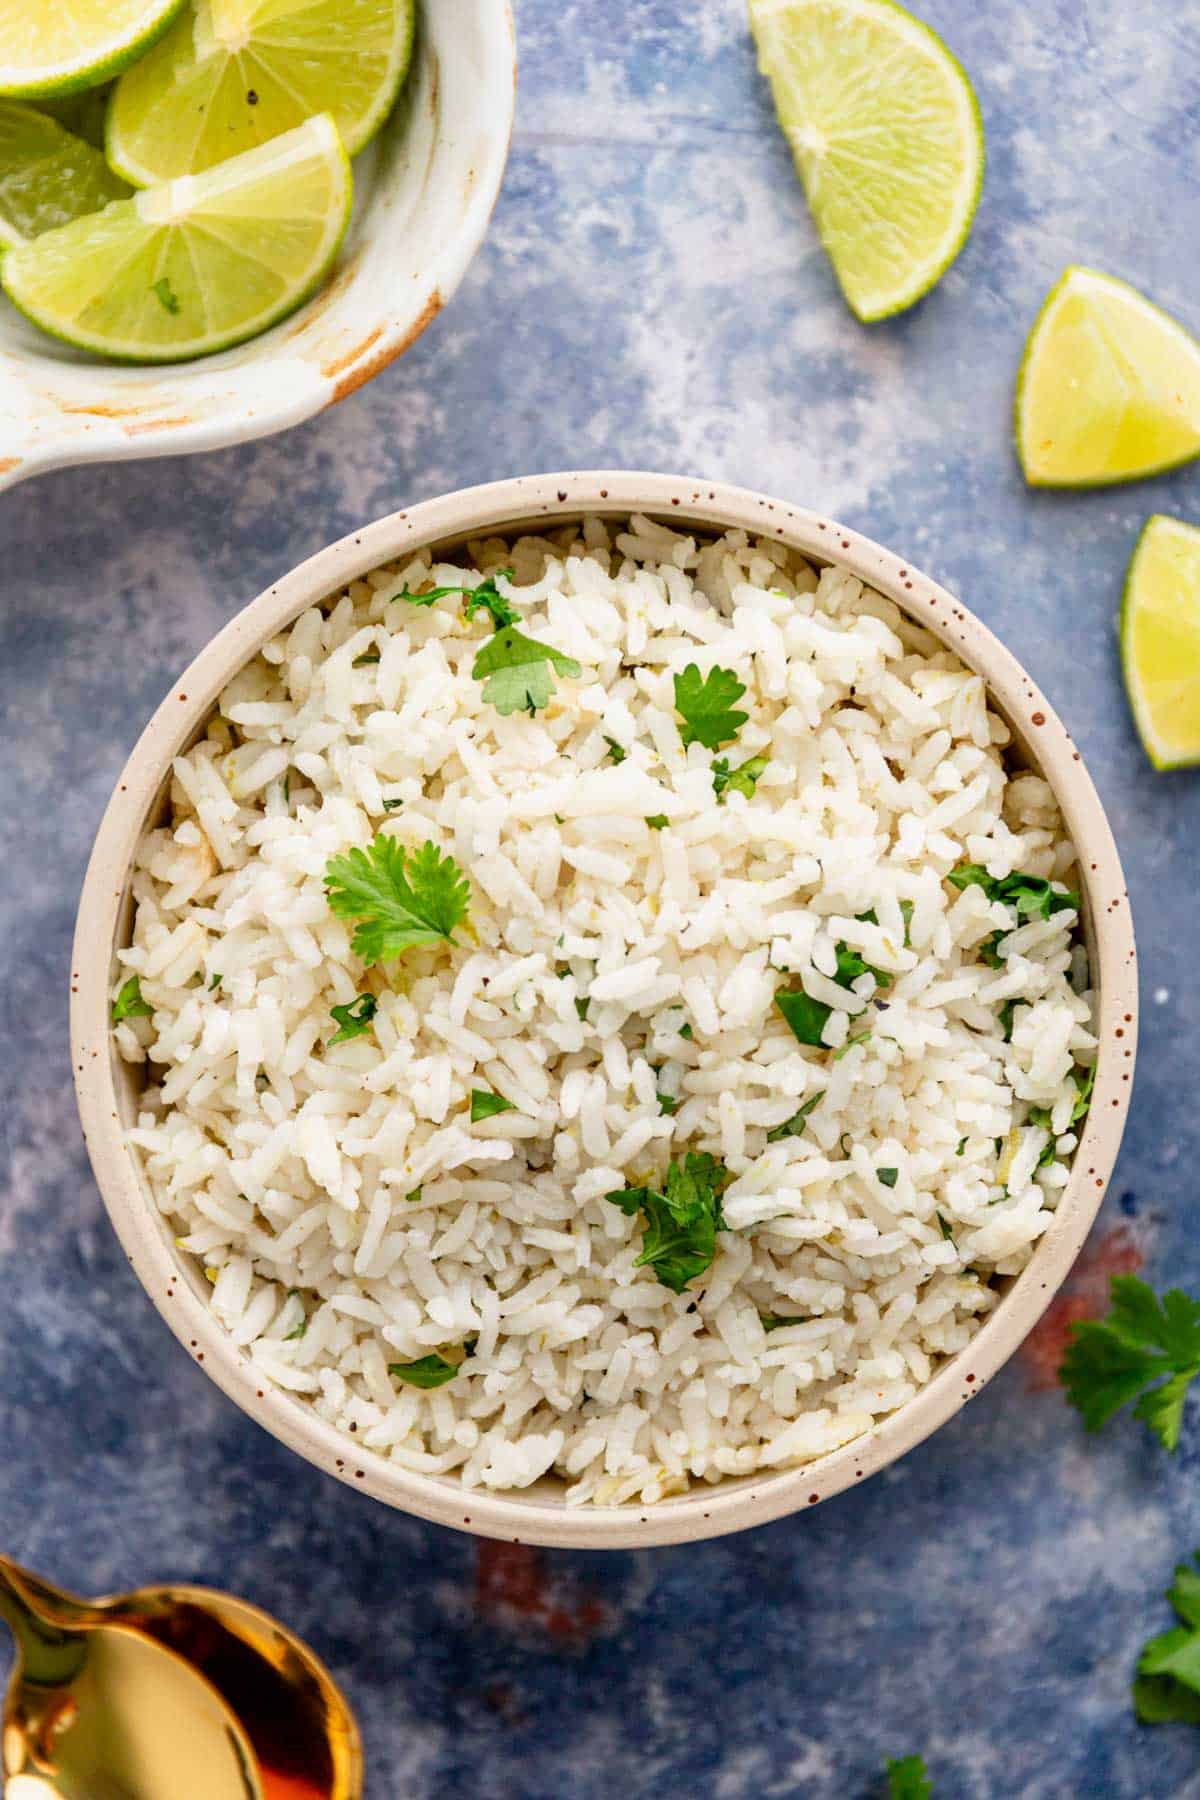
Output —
(108, 1088)
(424, 192)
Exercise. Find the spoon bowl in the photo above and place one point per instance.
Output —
(112, 1699)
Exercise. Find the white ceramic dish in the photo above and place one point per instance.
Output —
(107, 1087)
(424, 192)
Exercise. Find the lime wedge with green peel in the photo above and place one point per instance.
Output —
(1109, 388)
(48, 176)
(233, 73)
(194, 265)
(887, 137)
(55, 46)
(1160, 641)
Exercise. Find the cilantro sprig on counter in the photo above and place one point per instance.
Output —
(706, 706)
(400, 897)
(679, 1238)
(1167, 1685)
(1144, 1346)
(908, 1779)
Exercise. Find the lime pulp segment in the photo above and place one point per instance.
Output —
(232, 74)
(196, 265)
(1160, 641)
(56, 46)
(1109, 387)
(887, 138)
(48, 176)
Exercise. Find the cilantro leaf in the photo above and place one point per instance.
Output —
(706, 706)
(849, 1044)
(805, 1017)
(485, 595)
(485, 1104)
(360, 662)
(1032, 895)
(667, 1103)
(776, 1321)
(353, 1020)
(1111, 1361)
(656, 821)
(679, 1238)
(795, 1126)
(431, 1371)
(742, 780)
(1167, 1686)
(402, 897)
(129, 1003)
(299, 1330)
(518, 672)
(616, 752)
(908, 1779)
(165, 294)
(888, 1177)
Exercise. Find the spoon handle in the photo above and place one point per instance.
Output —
(44, 1621)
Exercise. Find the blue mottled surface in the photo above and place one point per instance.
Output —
(651, 294)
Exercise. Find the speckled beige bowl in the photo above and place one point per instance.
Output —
(424, 192)
(108, 1088)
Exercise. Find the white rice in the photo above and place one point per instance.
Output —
(289, 1167)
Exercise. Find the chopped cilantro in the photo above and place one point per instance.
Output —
(795, 1126)
(742, 780)
(214, 983)
(1143, 1339)
(485, 1104)
(679, 1238)
(888, 1177)
(805, 1017)
(392, 805)
(1167, 1685)
(299, 1330)
(945, 1229)
(360, 662)
(962, 1144)
(165, 294)
(402, 898)
(776, 1321)
(129, 1003)
(353, 1020)
(656, 821)
(1032, 895)
(685, 1031)
(430, 1371)
(518, 672)
(581, 1007)
(616, 752)
(486, 594)
(1005, 1016)
(667, 1103)
(849, 1044)
(414, 1194)
(706, 706)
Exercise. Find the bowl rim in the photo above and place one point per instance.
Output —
(244, 419)
(541, 501)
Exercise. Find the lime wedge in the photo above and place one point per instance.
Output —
(234, 73)
(83, 112)
(194, 265)
(1109, 388)
(887, 137)
(54, 46)
(1160, 641)
(47, 175)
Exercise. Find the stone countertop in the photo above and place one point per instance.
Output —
(651, 295)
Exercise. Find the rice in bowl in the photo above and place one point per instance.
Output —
(635, 908)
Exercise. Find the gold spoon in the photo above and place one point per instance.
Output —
(120, 1699)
